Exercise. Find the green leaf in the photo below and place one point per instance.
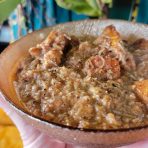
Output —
(1, 1)
(6, 7)
(87, 7)
(80, 6)
(94, 5)
(109, 2)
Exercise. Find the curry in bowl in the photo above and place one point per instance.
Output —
(86, 82)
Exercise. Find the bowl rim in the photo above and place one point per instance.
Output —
(57, 125)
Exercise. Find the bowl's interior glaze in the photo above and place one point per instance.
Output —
(11, 56)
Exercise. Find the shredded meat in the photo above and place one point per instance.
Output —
(86, 82)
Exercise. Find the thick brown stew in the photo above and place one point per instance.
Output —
(86, 82)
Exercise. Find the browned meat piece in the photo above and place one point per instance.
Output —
(50, 51)
(35, 51)
(140, 44)
(94, 65)
(83, 109)
(52, 58)
(110, 39)
(56, 40)
(112, 68)
(141, 89)
(102, 67)
(113, 34)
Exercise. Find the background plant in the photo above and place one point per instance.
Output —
(93, 8)
(6, 7)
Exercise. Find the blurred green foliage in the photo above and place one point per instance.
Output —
(88, 7)
(6, 7)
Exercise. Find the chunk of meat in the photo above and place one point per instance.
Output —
(52, 58)
(93, 64)
(110, 39)
(102, 67)
(56, 39)
(140, 44)
(112, 67)
(141, 89)
(35, 51)
(113, 34)
(50, 51)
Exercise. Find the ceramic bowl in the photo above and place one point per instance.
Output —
(88, 138)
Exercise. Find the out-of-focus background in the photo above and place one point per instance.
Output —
(18, 17)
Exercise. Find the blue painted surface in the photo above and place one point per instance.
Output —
(143, 12)
(76, 17)
(49, 14)
(5, 34)
(38, 15)
(62, 15)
